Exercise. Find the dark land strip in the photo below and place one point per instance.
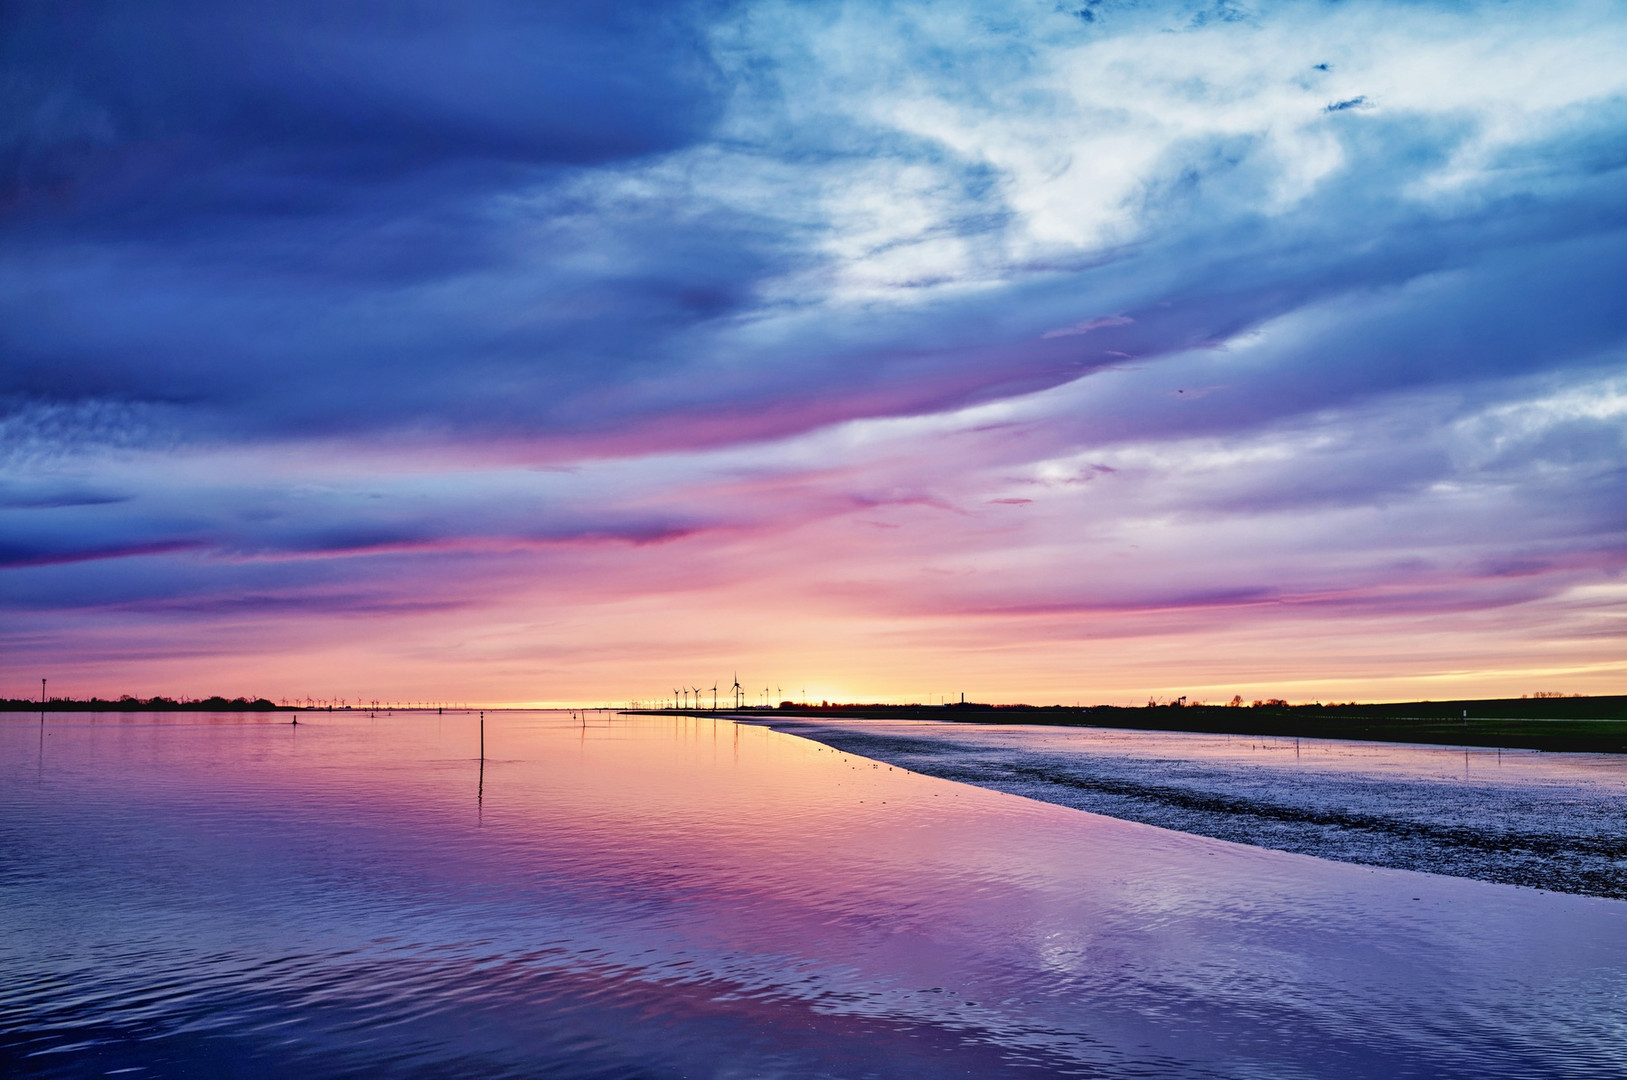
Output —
(1573, 724)
(135, 704)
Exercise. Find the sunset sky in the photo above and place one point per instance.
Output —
(568, 353)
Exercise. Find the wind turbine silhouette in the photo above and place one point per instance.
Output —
(737, 689)
(714, 697)
(675, 700)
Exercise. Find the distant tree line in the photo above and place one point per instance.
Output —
(127, 703)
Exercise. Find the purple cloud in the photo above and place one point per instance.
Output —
(424, 309)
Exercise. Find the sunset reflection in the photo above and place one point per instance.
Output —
(755, 900)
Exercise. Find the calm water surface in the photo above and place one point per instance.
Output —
(224, 895)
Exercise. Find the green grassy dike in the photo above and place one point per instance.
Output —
(1578, 724)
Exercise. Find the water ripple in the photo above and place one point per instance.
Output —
(658, 897)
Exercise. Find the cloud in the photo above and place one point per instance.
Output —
(807, 300)
(20, 556)
(223, 108)
(411, 225)
(47, 497)
(1086, 327)
(1358, 102)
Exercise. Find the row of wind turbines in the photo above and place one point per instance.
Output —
(682, 695)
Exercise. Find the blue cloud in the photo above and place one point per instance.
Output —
(330, 219)
(563, 231)
(1358, 102)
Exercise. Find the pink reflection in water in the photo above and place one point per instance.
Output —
(670, 895)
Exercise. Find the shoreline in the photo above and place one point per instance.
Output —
(1596, 725)
(1388, 805)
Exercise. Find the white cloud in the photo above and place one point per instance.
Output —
(1076, 127)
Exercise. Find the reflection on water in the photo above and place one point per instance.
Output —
(666, 896)
(1549, 821)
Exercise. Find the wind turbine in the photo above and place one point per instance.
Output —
(737, 689)
(714, 697)
(675, 700)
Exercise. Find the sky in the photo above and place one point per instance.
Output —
(552, 353)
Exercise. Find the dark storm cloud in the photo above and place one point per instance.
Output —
(133, 115)
(337, 219)
(236, 209)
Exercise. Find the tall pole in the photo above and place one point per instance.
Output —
(42, 702)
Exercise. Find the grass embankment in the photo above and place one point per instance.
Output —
(1591, 724)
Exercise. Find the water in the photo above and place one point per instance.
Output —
(225, 895)
(1548, 821)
